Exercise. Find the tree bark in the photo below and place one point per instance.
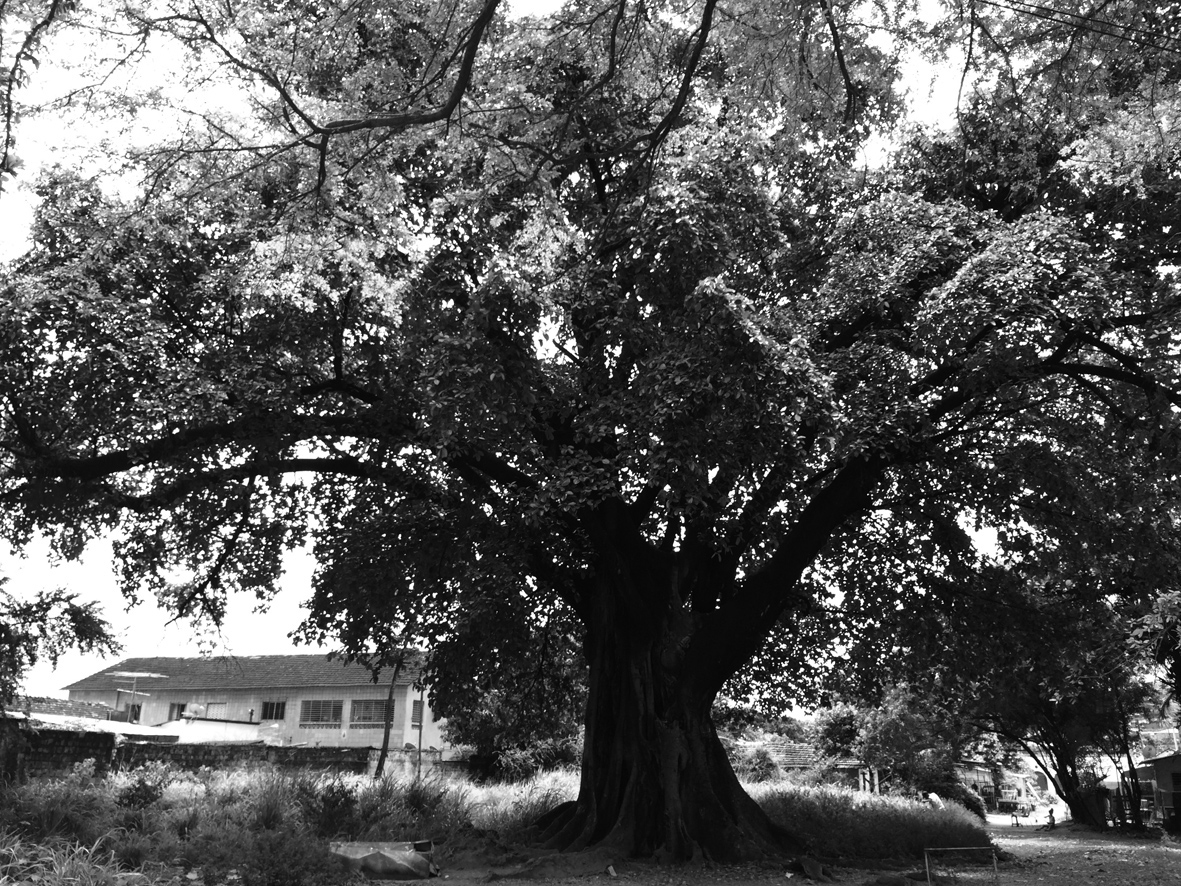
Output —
(388, 719)
(656, 780)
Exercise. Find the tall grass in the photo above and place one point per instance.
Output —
(837, 822)
(509, 810)
(272, 828)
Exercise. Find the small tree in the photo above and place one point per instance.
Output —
(45, 627)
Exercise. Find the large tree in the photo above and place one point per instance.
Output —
(583, 319)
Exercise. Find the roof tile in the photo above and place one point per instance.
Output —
(239, 672)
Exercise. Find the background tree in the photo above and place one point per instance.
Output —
(44, 626)
(603, 329)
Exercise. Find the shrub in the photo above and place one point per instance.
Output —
(521, 763)
(289, 856)
(74, 808)
(330, 809)
(842, 823)
(755, 765)
(960, 793)
(146, 786)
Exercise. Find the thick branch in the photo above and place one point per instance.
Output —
(420, 118)
(736, 631)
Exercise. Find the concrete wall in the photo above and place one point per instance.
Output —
(226, 756)
(49, 753)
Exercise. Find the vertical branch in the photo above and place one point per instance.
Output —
(15, 75)
(839, 50)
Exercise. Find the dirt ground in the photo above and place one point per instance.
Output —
(1070, 856)
(1066, 856)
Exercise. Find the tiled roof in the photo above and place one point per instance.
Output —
(794, 755)
(240, 672)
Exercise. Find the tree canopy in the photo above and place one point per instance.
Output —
(595, 326)
(44, 626)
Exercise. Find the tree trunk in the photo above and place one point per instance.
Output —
(388, 719)
(656, 781)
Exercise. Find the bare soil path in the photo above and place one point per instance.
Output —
(1075, 856)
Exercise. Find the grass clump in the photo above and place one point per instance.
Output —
(56, 864)
(509, 810)
(837, 822)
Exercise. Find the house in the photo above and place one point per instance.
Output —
(280, 699)
(792, 755)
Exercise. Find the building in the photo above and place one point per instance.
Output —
(280, 699)
(1160, 780)
(796, 756)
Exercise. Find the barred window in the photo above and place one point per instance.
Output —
(320, 712)
(274, 710)
(369, 712)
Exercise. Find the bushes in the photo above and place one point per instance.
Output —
(842, 823)
(523, 763)
(755, 765)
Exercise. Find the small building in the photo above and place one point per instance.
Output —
(797, 756)
(280, 699)
(978, 777)
(1163, 774)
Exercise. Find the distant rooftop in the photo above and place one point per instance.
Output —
(239, 672)
(62, 707)
(795, 755)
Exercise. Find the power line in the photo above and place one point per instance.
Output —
(1088, 20)
(1051, 15)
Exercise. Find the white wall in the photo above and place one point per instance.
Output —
(246, 705)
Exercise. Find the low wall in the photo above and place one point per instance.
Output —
(47, 753)
(50, 753)
(249, 755)
(242, 755)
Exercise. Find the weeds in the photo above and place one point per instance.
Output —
(849, 824)
(268, 828)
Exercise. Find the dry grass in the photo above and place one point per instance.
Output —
(837, 822)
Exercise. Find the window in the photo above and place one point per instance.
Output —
(369, 713)
(176, 710)
(416, 714)
(215, 710)
(321, 713)
(133, 713)
(274, 710)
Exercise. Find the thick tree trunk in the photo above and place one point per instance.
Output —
(656, 781)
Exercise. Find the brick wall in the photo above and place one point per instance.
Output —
(46, 753)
